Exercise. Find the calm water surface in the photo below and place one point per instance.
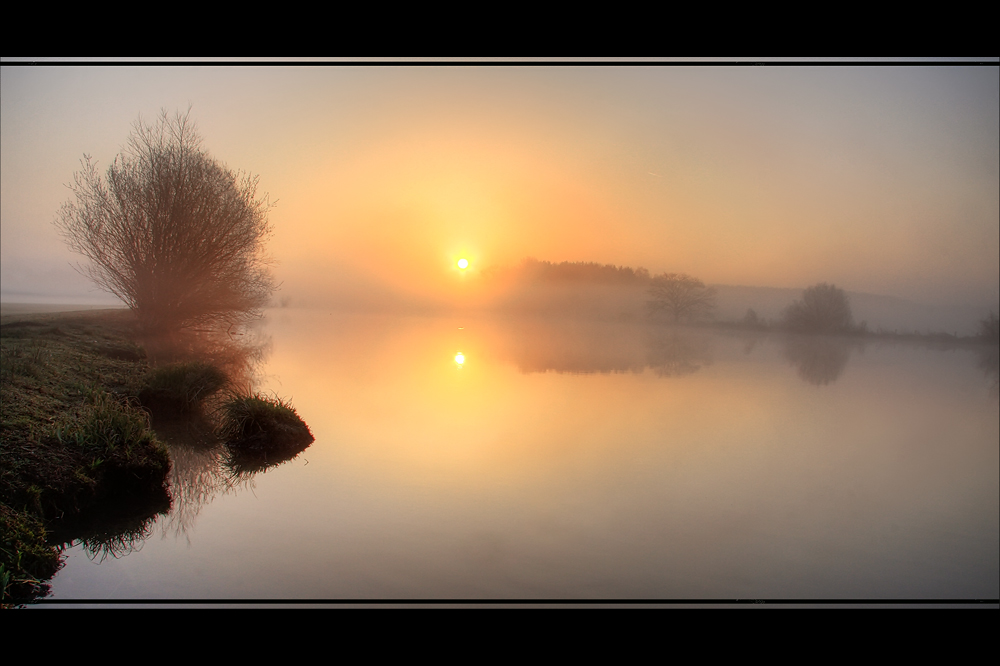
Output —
(586, 460)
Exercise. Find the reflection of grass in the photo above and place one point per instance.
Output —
(243, 465)
(256, 421)
(116, 524)
(116, 539)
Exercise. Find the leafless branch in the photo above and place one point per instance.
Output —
(171, 231)
(681, 295)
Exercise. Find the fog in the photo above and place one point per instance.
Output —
(760, 181)
(556, 331)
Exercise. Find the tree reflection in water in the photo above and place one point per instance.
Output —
(673, 353)
(196, 478)
(572, 346)
(588, 347)
(988, 360)
(202, 473)
(820, 360)
(199, 474)
(538, 344)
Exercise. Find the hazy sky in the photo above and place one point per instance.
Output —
(881, 179)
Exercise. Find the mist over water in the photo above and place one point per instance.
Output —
(528, 457)
(540, 322)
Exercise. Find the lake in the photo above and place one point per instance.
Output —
(482, 458)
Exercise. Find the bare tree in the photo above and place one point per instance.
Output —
(681, 295)
(989, 329)
(171, 231)
(823, 309)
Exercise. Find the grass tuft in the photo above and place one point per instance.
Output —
(25, 360)
(26, 560)
(117, 447)
(256, 422)
(182, 386)
(107, 427)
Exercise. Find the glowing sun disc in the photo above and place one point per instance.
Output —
(460, 358)
(463, 263)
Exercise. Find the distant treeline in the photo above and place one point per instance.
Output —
(533, 270)
(621, 293)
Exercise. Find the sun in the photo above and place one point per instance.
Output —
(463, 263)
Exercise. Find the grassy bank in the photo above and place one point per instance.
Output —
(72, 436)
(79, 459)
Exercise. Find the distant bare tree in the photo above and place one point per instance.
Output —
(681, 295)
(989, 329)
(171, 231)
(823, 309)
(752, 320)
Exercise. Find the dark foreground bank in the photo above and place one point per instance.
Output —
(79, 458)
(73, 439)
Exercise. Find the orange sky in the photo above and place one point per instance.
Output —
(879, 179)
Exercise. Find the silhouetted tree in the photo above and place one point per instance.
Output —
(681, 295)
(171, 231)
(823, 309)
(752, 320)
(581, 271)
(989, 329)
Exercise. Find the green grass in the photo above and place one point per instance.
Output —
(102, 450)
(107, 428)
(26, 360)
(182, 386)
(257, 421)
(70, 436)
(26, 561)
